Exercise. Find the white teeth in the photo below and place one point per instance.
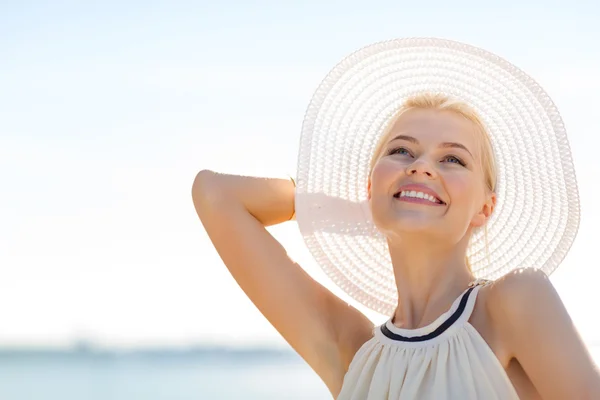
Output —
(418, 195)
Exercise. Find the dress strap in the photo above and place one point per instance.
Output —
(459, 313)
(472, 298)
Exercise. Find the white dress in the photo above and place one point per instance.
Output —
(446, 360)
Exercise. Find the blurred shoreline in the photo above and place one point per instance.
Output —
(156, 373)
(210, 353)
(84, 371)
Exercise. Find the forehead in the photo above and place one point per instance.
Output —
(431, 126)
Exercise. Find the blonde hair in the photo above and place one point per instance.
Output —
(440, 102)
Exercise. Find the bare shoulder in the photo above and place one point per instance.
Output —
(509, 294)
(496, 303)
(534, 328)
(515, 299)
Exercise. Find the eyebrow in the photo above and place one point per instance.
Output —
(443, 145)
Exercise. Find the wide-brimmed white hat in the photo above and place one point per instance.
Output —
(537, 212)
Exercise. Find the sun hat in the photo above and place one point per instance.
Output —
(537, 212)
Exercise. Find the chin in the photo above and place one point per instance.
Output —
(410, 224)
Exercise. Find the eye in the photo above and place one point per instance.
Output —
(454, 160)
(399, 150)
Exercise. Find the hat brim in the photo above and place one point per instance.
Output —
(537, 213)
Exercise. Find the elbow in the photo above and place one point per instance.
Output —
(205, 188)
(202, 179)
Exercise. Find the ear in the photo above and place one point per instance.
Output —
(486, 211)
(369, 189)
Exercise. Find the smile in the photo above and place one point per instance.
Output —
(414, 196)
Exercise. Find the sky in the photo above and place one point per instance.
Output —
(108, 111)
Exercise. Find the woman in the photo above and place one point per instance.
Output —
(425, 166)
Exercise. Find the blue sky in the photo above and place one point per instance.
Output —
(107, 111)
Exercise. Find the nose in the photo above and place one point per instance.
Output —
(421, 167)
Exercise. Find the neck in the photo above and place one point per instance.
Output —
(428, 277)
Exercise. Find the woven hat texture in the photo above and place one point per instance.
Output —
(537, 212)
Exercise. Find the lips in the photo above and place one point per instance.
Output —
(419, 192)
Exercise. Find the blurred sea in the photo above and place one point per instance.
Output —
(199, 374)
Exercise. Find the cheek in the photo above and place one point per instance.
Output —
(462, 189)
(383, 178)
(384, 174)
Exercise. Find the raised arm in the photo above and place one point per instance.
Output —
(235, 211)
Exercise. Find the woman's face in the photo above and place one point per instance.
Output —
(429, 178)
